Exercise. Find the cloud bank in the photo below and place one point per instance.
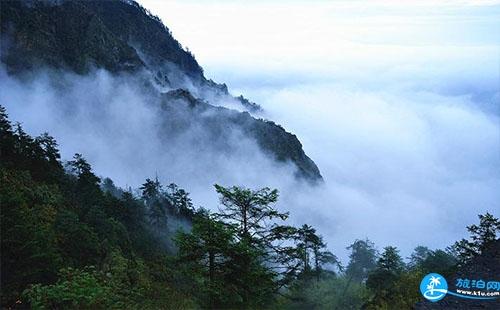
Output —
(398, 104)
(400, 114)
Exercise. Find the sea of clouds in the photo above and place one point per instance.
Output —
(405, 128)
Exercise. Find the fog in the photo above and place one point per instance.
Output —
(119, 127)
(397, 164)
(402, 120)
(397, 102)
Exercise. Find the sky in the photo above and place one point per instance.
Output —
(396, 101)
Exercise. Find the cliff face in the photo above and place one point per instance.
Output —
(77, 35)
(121, 36)
(271, 138)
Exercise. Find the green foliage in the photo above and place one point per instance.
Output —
(329, 292)
(482, 236)
(69, 240)
(109, 245)
(390, 260)
(52, 220)
(401, 291)
(249, 210)
(204, 255)
(362, 260)
(28, 244)
(236, 258)
(426, 261)
(395, 286)
(226, 259)
(382, 281)
(310, 249)
(74, 289)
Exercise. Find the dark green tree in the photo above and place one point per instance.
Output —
(182, 203)
(151, 190)
(419, 255)
(362, 260)
(87, 189)
(312, 251)
(425, 260)
(155, 202)
(251, 211)
(205, 255)
(69, 228)
(324, 257)
(108, 186)
(49, 147)
(482, 236)
(7, 138)
(382, 280)
(390, 260)
(439, 261)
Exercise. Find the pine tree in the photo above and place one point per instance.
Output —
(7, 138)
(482, 236)
(381, 281)
(155, 203)
(362, 260)
(249, 210)
(205, 252)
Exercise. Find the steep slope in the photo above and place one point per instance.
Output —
(121, 36)
(272, 138)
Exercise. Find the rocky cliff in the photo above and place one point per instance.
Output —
(122, 36)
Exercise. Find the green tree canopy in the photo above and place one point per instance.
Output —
(481, 237)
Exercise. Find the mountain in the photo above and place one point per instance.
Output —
(124, 38)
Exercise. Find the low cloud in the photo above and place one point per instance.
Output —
(402, 165)
(400, 112)
(119, 126)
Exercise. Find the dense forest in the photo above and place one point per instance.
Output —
(70, 239)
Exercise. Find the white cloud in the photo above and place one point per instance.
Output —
(398, 109)
(397, 102)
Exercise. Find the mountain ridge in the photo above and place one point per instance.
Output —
(122, 36)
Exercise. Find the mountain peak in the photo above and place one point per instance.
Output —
(123, 37)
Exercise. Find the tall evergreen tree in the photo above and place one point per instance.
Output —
(87, 189)
(419, 255)
(7, 139)
(362, 260)
(205, 252)
(482, 236)
(250, 210)
(155, 203)
(312, 253)
(382, 280)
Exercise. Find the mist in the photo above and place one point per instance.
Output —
(401, 155)
(397, 103)
(406, 134)
(118, 126)
(396, 165)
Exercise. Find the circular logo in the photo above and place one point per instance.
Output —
(433, 287)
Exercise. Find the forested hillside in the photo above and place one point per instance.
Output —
(109, 78)
(71, 240)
